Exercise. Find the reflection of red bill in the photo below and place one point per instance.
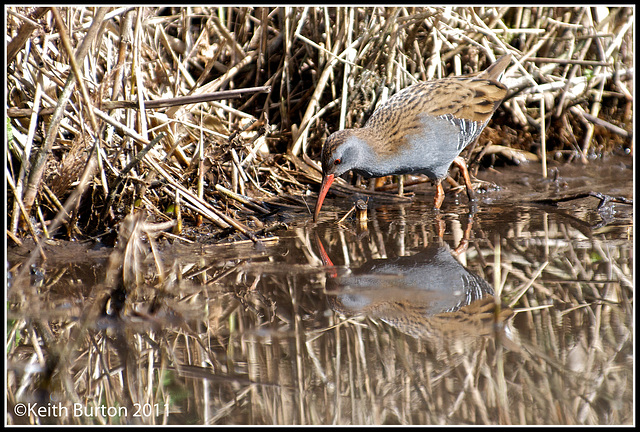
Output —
(326, 261)
(324, 188)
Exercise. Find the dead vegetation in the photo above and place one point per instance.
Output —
(203, 123)
(214, 117)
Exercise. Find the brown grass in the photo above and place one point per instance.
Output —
(298, 74)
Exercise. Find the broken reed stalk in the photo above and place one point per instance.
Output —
(83, 90)
(245, 200)
(123, 173)
(38, 167)
(26, 154)
(186, 100)
(74, 66)
(204, 207)
(568, 61)
(27, 219)
(600, 122)
(543, 137)
(24, 33)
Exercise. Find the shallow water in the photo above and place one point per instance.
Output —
(392, 321)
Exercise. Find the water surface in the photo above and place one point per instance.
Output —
(511, 312)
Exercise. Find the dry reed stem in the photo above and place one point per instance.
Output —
(327, 68)
(37, 168)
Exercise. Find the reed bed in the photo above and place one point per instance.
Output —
(214, 117)
(147, 130)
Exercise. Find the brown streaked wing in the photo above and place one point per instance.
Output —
(470, 99)
(399, 132)
(398, 118)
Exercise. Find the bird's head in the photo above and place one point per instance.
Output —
(340, 154)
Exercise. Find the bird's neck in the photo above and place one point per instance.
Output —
(363, 147)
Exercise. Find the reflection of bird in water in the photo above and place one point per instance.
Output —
(429, 295)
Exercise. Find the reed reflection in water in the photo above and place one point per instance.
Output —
(280, 335)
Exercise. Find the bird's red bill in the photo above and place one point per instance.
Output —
(324, 188)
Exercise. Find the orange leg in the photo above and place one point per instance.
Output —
(460, 163)
(439, 198)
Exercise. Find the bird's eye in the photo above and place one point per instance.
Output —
(337, 162)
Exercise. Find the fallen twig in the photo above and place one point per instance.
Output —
(604, 199)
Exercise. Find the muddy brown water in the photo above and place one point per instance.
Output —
(392, 321)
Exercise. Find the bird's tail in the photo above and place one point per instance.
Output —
(494, 72)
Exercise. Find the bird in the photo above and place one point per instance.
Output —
(422, 129)
(429, 295)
